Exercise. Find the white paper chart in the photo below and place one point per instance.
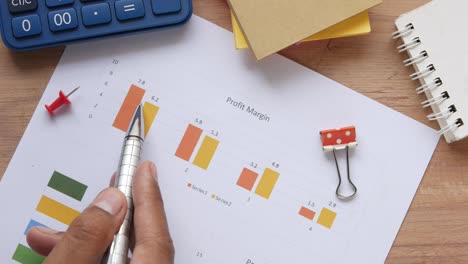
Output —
(237, 146)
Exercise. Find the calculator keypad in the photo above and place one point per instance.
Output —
(19, 6)
(129, 9)
(96, 14)
(30, 24)
(64, 19)
(26, 26)
(54, 3)
(161, 7)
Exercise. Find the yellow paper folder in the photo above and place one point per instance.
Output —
(353, 26)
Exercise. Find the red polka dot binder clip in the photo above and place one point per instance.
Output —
(340, 139)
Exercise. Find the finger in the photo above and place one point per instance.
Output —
(112, 180)
(91, 233)
(43, 239)
(152, 238)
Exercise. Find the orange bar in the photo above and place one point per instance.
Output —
(247, 179)
(307, 213)
(189, 142)
(132, 100)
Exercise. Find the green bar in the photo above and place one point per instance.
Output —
(25, 255)
(67, 186)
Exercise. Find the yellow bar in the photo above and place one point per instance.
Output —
(326, 218)
(56, 210)
(267, 183)
(149, 113)
(206, 152)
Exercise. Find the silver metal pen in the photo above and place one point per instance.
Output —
(129, 160)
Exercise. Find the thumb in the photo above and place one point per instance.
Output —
(92, 232)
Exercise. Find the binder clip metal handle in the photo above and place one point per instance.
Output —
(339, 139)
(354, 188)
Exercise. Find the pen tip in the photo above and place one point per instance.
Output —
(136, 125)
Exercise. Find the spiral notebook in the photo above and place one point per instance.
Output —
(436, 40)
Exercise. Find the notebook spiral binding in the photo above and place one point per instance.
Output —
(429, 84)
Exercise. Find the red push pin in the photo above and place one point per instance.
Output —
(61, 100)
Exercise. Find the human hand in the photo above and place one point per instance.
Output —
(89, 235)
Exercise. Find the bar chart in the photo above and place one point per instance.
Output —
(266, 184)
(32, 223)
(67, 186)
(25, 255)
(53, 210)
(189, 142)
(326, 217)
(133, 98)
(56, 210)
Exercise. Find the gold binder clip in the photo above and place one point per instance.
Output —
(339, 139)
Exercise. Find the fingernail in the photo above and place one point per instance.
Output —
(46, 230)
(109, 200)
(153, 170)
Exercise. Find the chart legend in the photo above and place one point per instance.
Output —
(189, 143)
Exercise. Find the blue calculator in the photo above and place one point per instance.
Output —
(33, 24)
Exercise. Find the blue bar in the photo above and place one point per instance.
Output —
(32, 223)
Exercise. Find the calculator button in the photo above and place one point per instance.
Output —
(129, 9)
(53, 3)
(26, 26)
(64, 19)
(96, 14)
(161, 7)
(18, 6)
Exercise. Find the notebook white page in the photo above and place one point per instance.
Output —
(190, 73)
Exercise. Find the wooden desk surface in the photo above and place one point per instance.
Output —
(436, 227)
